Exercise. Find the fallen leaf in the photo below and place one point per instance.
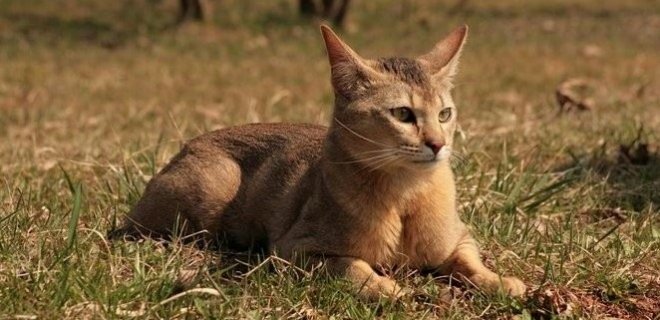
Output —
(573, 94)
(636, 152)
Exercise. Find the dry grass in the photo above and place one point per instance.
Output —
(95, 96)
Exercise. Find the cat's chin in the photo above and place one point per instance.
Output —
(424, 164)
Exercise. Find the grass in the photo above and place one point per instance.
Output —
(96, 96)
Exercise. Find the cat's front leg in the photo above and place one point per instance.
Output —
(364, 279)
(466, 262)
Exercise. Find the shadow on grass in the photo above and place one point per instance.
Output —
(51, 28)
(631, 171)
(549, 10)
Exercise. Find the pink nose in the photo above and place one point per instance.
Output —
(434, 146)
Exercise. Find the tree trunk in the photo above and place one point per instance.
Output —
(333, 10)
(307, 8)
(328, 8)
(190, 10)
(340, 15)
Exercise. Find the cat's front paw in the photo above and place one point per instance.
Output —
(382, 287)
(493, 283)
(391, 289)
(513, 286)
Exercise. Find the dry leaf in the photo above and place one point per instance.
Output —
(636, 152)
(572, 95)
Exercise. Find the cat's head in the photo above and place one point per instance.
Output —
(393, 113)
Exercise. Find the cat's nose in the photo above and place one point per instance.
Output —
(435, 146)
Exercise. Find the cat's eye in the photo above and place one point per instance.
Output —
(445, 115)
(403, 114)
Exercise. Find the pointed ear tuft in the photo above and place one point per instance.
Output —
(350, 73)
(442, 61)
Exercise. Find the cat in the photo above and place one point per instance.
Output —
(373, 190)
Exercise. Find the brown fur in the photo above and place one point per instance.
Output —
(406, 70)
(367, 192)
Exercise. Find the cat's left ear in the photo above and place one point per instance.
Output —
(442, 61)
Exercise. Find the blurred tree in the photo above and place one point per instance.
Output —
(190, 10)
(334, 10)
(459, 6)
(307, 7)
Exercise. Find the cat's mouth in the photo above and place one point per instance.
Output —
(431, 160)
(427, 162)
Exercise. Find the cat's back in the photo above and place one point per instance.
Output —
(240, 155)
(252, 144)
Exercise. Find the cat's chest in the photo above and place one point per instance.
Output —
(412, 237)
(377, 240)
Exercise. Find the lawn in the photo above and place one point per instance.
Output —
(96, 96)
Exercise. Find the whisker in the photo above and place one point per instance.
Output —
(376, 162)
(384, 163)
(360, 136)
(379, 151)
(457, 155)
(376, 151)
(460, 159)
(367, 159)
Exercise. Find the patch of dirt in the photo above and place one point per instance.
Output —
(557, 300)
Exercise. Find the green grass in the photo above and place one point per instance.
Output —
(96, 96)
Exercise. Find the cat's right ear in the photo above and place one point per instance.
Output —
(351, 74)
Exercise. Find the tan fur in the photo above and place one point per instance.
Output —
(351, 195)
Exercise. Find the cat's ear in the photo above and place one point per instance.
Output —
(350, 72)
(442, 61)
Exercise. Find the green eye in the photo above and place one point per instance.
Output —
(403, 114)
(445, 115)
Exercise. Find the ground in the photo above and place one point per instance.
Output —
(96, 96)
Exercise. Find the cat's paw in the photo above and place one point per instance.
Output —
(390, 289)
(493, 283)
(513, 286)
(382, 287)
